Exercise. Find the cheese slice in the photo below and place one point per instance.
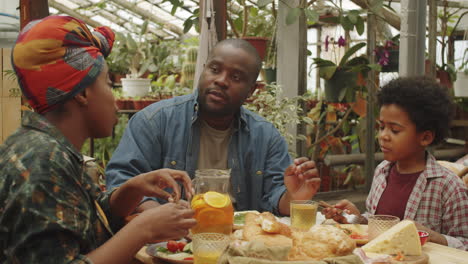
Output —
(402, 237)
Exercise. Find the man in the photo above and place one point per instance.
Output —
(210, 129)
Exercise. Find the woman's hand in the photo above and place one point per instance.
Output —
(434, 236)
(335, 211)
(126, 198)
(166, 222)
(153, 183)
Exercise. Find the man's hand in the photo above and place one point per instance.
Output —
(302, 183)
(301, 179)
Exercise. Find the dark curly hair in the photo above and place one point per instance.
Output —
(428, 104)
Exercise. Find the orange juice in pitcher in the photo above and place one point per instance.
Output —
(212, 205)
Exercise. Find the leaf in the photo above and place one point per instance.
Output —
(360, 25)
(351, 51)
(262, 3)
(187, 25)
(292, 15)
(353, 16)
(238, 23)
(253, 11)
(347, 24)
(342, 94)
(312, 16)
(144, 27)
(327, 72)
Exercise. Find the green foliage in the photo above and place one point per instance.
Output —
(327, 68)
(282, 112)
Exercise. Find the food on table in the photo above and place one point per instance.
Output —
(358, 233)
(321, 241)
(401, 238)
(214, 213)
(269, 224)
(253, 231)
(176, 250)
(317, 243)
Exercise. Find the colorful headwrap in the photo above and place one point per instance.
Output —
(56, 57)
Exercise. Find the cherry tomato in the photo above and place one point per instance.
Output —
(181, 245)
(188, 258)
(172, 246)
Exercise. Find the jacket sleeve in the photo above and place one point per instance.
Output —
(278, 159)
(138, 151)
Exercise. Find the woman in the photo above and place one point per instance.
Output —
(51, 211)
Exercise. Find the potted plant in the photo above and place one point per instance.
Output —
(254, 24)
(137, 54)
(344, 79)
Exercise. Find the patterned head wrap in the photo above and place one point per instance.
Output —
(56, 57)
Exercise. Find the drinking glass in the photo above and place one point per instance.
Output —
(212, 205)
(380, 223)
(207, 247)
(303, 214)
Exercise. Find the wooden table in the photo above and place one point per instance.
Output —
(438, 254)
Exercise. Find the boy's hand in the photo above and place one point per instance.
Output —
(434, 236)
(335, 211)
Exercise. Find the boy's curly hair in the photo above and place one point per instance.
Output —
(428, 104)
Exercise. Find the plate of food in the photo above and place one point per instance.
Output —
(355, 231)
(176, 252)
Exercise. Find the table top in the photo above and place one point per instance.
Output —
(438, 254)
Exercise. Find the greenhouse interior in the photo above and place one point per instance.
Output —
(241, 131)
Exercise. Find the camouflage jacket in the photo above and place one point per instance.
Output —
(49, 210)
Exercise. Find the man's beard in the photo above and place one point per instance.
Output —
(218, 113)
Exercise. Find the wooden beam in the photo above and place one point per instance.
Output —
(148, 15)
(73, 13)
(389, 16)
(460, 4)
(220, 8)
(31, 10)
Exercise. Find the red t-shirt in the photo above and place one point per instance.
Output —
(395, 196)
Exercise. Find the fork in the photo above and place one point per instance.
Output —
(350, 218)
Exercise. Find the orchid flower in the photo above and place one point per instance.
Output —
(341, 42)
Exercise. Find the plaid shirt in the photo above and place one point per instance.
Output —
(439, 201)
(48, 209)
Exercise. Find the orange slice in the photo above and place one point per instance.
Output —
(209, 217)
(216, 199)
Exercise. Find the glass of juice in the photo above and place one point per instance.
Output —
(207, 247)
(303, 214)
(212, 204)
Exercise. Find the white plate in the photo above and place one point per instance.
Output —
(151, 250)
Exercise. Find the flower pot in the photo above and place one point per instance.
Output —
(341, 85)
(270, 75)
(259, 43)
(460, 87)
(136, 87)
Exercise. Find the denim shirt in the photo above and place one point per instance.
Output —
(166, 134)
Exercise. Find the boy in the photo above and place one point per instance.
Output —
(414, 114)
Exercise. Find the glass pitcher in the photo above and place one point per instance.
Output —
(212, 205)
